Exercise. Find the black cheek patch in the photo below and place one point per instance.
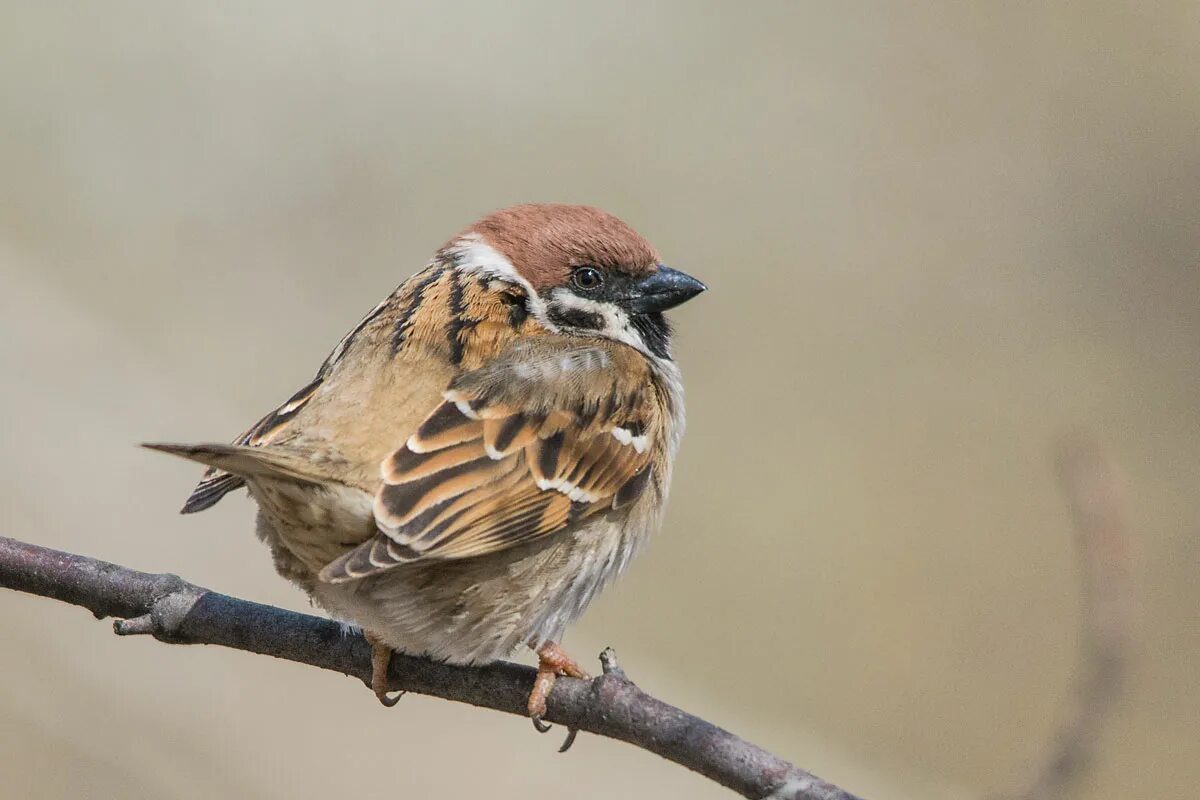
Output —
(568, 317)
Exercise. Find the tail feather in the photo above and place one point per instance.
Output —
(215, 485)
(235, 463)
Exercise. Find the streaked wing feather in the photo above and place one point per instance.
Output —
(517, 451)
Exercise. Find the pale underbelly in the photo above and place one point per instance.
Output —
(482, 609)
(465, 611)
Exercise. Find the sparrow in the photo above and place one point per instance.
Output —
(481, 454)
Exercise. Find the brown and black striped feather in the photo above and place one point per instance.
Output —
(436, 313)
(519, 449)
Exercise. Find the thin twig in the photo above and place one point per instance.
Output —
(175, 611)
(1090, 482)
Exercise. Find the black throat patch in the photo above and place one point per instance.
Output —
(655, 332)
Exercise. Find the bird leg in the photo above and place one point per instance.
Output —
(381, 659)
(552, 662)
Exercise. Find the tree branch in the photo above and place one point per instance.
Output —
(178, 612)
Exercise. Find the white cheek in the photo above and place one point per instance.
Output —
(616, 323)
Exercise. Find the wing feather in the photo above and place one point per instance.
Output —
(545, 435)
(397, 504)
(405, 465)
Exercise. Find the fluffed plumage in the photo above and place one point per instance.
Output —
(486, 449)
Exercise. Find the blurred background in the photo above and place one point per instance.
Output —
(936, 234)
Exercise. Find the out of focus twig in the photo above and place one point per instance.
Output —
(1090, 482)
(175, 611)
(178, 612)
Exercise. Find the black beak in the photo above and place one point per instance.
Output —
(664, 288)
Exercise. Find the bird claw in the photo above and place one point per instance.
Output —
(552, 662)
(381, 659)
(542, 726)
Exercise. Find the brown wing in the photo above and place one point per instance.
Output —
(547, 434)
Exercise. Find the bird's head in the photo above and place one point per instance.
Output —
(580, 271)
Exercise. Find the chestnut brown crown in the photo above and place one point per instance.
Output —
(545, 242)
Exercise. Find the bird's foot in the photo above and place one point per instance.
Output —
(552, 662)
(381, 659)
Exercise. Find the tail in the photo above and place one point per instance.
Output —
(212, 487)
(231, 464)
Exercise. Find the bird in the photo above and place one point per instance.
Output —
(484, 451)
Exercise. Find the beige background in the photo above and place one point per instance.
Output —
(936, 236)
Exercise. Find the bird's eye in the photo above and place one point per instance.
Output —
(587, 278)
